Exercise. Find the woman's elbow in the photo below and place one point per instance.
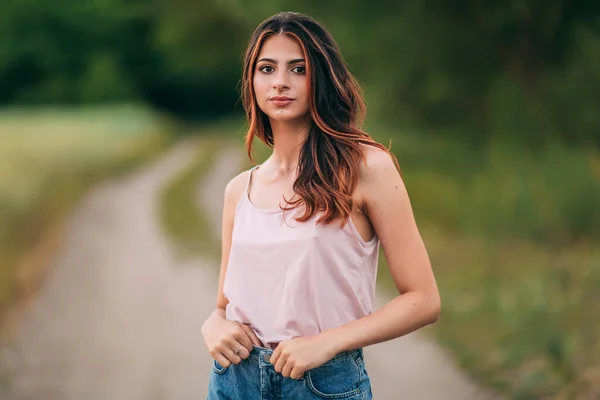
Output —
(435, 308)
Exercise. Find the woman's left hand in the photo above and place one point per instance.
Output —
(292, 358)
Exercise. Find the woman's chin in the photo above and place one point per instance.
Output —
(282, 118)
(286, 116)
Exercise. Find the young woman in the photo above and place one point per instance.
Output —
(301, 232)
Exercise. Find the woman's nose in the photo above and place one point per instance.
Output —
(280, 82)
(280, 86)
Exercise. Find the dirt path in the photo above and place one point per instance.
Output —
(119, 318)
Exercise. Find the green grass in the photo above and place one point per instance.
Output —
(183, 220)
(518, 316)
(48, 159)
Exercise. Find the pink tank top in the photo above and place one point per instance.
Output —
(288, 279)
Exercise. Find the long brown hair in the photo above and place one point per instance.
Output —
(330, 156)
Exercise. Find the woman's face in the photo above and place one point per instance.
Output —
(280, 80)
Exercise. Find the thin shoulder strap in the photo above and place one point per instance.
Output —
(250, 178)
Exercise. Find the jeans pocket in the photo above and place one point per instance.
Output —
(336, 379)
(218, 368)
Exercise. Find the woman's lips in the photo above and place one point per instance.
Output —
(281, 101)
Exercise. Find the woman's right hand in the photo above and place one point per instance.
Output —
(223, 338)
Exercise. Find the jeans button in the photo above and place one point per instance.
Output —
(266, 358)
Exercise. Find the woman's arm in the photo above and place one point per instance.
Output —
(222, 337)
(233, 193)
(388, 208)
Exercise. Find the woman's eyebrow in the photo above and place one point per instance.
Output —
(273, 61)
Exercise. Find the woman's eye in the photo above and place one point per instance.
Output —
(267, 68)
(299, 69)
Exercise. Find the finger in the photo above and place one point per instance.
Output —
(229, 353)
(275, 356)
(244, 353)
(253, 338)
(280, 364)
(244, 337)
(297, 373)
(241, 347)
(231, 343)
(222, 360)
(287, 369)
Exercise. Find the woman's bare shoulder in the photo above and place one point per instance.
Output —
(376, 161)
(237, 185)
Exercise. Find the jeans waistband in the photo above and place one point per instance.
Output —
(261, 355)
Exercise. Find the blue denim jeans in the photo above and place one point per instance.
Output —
(343, 377)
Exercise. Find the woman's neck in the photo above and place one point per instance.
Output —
(288, 139)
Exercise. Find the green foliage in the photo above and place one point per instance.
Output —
(513, 238)
(182, 218)
(502, 190)
(164, 53)
(52, 50)
(520, 316)
(471, 69)
(572, 92)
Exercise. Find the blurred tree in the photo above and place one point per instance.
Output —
(182, 57)
(485, 66)
(522, 69)
(49, 51)
(201, 45)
